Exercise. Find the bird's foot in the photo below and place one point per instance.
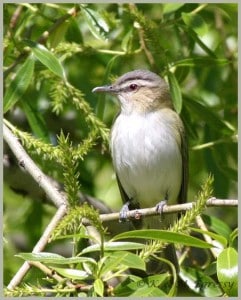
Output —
(123, 215)
(160, 206)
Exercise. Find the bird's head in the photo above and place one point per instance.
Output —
(139, 91)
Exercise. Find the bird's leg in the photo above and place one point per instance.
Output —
(131, 204)
(161, 204)
(123, 212)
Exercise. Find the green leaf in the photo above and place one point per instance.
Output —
(171, 7)
(233, 236)
(19, 84)
(227, 271)
(99, 287)
(192, 34)
(200, 283)
(47, 58)
(97, 24)
(164, 236)
(201, 61)
(122, 258)
(175, 92)
(127, 41)
(207, 115)
(58, 35)
(195, 22)
(73, 34)
(217, 225)
(143, 287)
(114, 246)
(71, 273)
(217, 237)
(53, 258)
(35, 119)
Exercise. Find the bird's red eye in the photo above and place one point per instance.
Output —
(133, 87)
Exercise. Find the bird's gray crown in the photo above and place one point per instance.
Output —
(139, 74)
(141, 77)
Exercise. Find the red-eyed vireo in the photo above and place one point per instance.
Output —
(148, 144)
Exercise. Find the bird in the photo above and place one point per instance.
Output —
(148, 146)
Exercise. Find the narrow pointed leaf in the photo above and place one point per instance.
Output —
(19, 84)
(47, 58)
(165, 236)
(35, 119)
(215, 236)
(217, 225)
(53, 258)
(175, 92)
(97, 25)
(71, 273)
(114, 246)
(201, 61)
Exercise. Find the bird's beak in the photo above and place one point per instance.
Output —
(104, 89)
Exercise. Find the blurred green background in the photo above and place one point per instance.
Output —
(96, 43)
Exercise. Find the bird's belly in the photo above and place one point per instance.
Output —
(147, 160)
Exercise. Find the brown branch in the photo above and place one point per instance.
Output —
(39, 246)
(141, 34)
(168, 209)
(29, 165)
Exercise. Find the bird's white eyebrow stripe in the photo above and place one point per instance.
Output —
(139, 82)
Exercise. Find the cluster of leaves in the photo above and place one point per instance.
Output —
(54, 54)
(92, 270)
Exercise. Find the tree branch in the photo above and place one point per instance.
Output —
(39, 246)
(29, 165)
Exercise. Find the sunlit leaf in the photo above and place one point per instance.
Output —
(53, 258)
(114, 246)
(71, 273)
(97, 24)
(47, 58)
(171, 7)
(196, 22)
(99, 287)
(165, 236)
(227, 271)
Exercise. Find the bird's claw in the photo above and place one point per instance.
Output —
(123, 215)
(160, 206)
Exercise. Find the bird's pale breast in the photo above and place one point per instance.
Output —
(146, 157)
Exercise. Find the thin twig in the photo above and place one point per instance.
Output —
(50, 273)
(215, 251)
(142, 39)
(168, 209)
